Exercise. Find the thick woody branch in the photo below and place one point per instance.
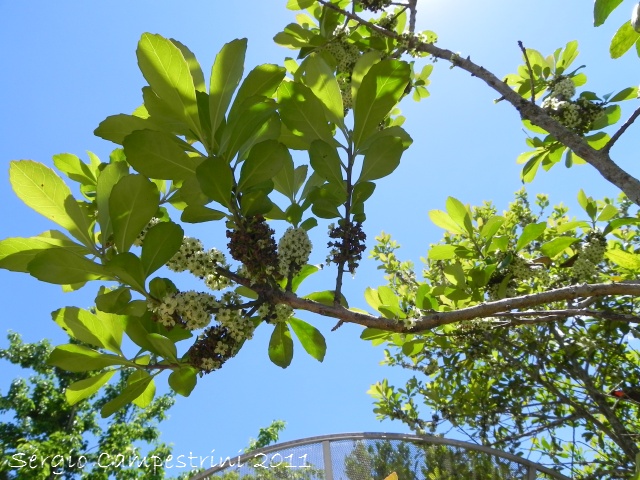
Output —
(599, 159)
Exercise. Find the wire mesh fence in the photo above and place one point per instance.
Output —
(374, 456)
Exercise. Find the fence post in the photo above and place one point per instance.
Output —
(328, 464)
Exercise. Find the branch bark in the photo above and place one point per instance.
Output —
(599, 159)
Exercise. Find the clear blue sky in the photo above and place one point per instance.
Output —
(68, 64)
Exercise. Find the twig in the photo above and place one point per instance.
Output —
(526, 59)
(616, 136)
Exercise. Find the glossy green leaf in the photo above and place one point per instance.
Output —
(200, 214)
(78, 358)
(167, 72)
(194, 66)
(146, 397)
(281, 345)
(327, 297)
(113, 301)
(491, 227)
(555, 247)
(442, 252)
(360, 69)
(623, 40)
(128, 268)
(284, 181)
(263, 81)
(380, 91)
(160, 244)
(630, 261)
(325, 161)
(602, 9)
(299, 4)
(116, 128)
(74, 168)
(216, 180)
(226, 73)
(163, 346)
(101, 332)
(263, 163)
(629, 93)
(443, 220)
(255, 202)
(158, 155)
(382, 158)
(128, 395)
(107, 179)
(303, 113)
(531, 232)
(362, 191)
(607, 213)
(183, 380)
(16, 253)
(310, 337)
(42, 190)
(133, 202)
(319, 77)
(83, 389)
(65, 267)
(254, 115)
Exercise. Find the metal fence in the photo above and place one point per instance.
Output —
(374, 456)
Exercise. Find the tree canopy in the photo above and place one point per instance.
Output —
(541, 302)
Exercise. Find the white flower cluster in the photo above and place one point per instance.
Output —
(192, 307)
(294, 249)
(201, 263)
(239, 326)
(140, 238)
(592, 253)
(275, 313)
(564, 89)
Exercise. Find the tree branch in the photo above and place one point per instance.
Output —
(599, 159)
(616, 136)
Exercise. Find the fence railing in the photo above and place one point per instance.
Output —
(373, 456)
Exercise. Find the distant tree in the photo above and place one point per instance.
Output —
(66, 441)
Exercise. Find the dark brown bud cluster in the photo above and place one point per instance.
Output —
(212, 349)
(252, 243)
(374, 5)
(349, 244)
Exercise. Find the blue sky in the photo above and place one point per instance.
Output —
(68, 65)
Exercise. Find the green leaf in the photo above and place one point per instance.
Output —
(83, 389)
(226, 73)
(303, 113)
(325, 161)
(110, 175)
(65, 267)
(602, 9)
(556, 246)
(194, 66)
(360, 69)
(442, 252)
(607, 213)
(163, 346)
(158, 155)
(160, 244)
(627, 260)
(146, 397)
(183, 380)
(263, 81)
(382, 158)
(134, 200)
(128, 395)
(281, 345)
(304, 272)
(216, 180)
(284, 181)
(491, 227)
(16, 253)
(443, 220)
(372, 298)
(255, 114)
(104, 332)
(371, 334)
(200, 214)
(327, 297)
(530, 233)
(629, 93)
(74, 168)
(77, 358)
(42, 190)
(167, 72)
(263, 163)
(299, 4)
(380, 91)
(623, 40)
(459, 214)
(116, 128)
(255, 202)
(319, 78)
(128, 268)
(310, 337)
(114, 301)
